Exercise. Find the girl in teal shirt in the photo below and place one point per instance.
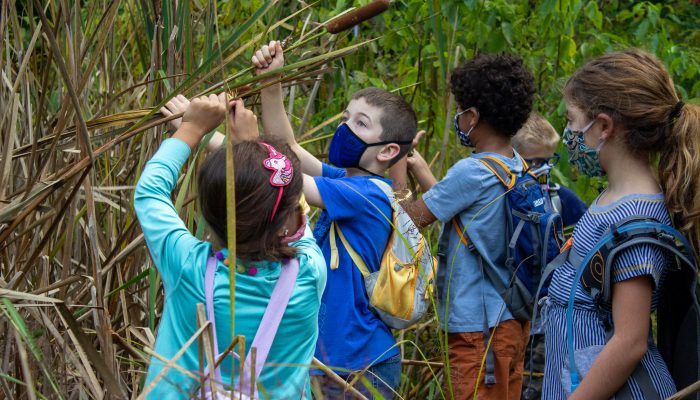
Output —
(270, 226)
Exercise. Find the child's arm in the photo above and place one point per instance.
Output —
(631, 305)
(420, 169)
(311, 193)
(274, 117)
(168, 239)
(417, 210)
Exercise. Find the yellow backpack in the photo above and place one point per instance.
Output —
(399, 292)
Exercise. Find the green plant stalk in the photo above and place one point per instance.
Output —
(231, 221)
(207, 63)
(21, 328)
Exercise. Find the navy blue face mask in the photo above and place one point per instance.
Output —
(347, 148)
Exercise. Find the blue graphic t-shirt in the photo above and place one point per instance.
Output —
(350, 335)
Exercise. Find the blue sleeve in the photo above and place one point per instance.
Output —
(328, 171)
(169, 241)
(458, 190)
(572, 206)
(639, 260)
(310, 256)
(348, 197)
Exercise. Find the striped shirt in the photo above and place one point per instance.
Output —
(588, 332)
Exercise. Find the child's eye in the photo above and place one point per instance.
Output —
(362, 124)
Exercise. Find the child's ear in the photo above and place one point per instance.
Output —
(388, 152)
(607, 126)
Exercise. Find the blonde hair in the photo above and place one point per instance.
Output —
(635, 90)
(537, 132)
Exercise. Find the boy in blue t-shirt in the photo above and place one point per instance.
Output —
(494, 96)
(377, 129)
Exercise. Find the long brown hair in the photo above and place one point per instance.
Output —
(256, 236)
(635, 90)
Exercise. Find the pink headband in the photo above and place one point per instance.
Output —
(282, 172)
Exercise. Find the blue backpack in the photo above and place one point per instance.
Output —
(534, 237)
(678, 309)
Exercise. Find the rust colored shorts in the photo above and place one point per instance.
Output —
(466, 350)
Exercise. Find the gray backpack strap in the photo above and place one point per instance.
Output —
(553, 191)
(490, 364)
(643, 379)
(513, 243)
(547, 272)
(549, 228)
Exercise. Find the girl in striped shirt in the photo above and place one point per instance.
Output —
(623, 113)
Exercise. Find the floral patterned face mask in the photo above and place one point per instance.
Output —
(585, 158)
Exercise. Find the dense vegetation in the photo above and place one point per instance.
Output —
(79, 296)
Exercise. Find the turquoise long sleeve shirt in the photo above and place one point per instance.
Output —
(181, 261)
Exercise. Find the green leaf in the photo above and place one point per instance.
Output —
(593, 14)
(507, 30)
(568, 47)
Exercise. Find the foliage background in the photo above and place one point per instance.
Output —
(79, 295)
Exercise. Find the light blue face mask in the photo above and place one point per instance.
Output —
(585, 158)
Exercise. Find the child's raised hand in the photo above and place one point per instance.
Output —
(203, 114)
(269, 58)
(176, 105)
(243, 122)
(416, 140)
(416, 162)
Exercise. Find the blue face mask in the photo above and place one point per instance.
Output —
(347, 148)
(585, 158)
(463, 136)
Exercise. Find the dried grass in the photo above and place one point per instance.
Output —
(80, 86)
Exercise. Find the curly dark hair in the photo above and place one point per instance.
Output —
(499, 86)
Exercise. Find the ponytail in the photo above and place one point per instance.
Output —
(679, 171)
(636, 90)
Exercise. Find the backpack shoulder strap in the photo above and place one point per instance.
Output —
(461, 233)
(554, 197)
(209, 275)
(359, 262)
(270, 322)
(499, 169)
(630, 231)
(388, 191)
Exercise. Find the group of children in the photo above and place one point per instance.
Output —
(622, 112)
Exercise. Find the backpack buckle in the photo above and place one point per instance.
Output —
(667, 237)
(604, 316)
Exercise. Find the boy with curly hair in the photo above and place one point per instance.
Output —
(494, 94)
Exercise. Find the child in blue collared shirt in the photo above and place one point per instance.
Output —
(270, 226)
(494, 94)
